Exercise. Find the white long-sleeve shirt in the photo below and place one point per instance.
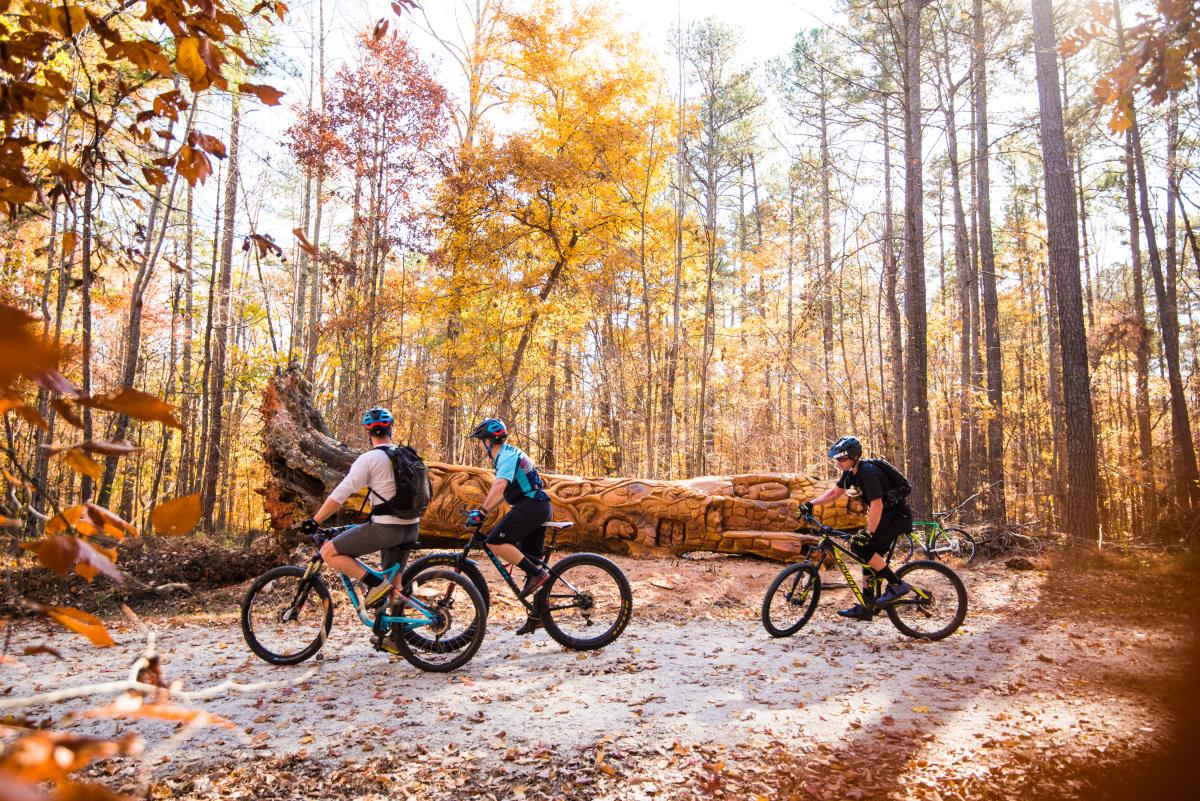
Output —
(371, 469)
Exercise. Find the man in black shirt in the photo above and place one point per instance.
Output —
(888, 516)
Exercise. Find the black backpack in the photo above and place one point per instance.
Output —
(413, 488)
(898, 487)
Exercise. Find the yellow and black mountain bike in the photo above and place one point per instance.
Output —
(933, 610)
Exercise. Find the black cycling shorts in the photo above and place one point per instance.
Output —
(893, 524)
(522, 526)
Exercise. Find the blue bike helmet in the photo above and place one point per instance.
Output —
(490, 430)
(377, 418)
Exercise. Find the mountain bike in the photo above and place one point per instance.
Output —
(933, 610)
(936, 540)
(586, 604)
(288, 611)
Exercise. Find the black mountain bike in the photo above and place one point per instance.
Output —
(288, 611)
(933, 610)
(586, 604)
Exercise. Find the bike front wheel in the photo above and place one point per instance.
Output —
(286, 617)
(453, 621)
(791, 599)
(586, 604)
(937, 605)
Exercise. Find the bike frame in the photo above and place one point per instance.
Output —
(828, 544)
(382, 620)
(474, 540)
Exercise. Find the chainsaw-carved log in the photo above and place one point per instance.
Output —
(755, 513)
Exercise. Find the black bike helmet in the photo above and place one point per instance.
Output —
(490, 430)
(846, 446)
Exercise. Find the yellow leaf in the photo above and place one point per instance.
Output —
(80, 462)
(178, 516)
(924, 710)
(189, 62)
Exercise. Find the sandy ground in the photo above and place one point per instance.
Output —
(695, 699)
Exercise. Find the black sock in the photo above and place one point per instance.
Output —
(371, 580)
(529, 566)
(890, 575)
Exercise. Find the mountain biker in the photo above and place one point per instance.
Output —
(383, 532)
(887, 518)
(519, 537)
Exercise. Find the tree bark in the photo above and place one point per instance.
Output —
(987, 281)
(1186, 481)
(916, 429)
(1141, 353)
(212, 459)
(1062, 228)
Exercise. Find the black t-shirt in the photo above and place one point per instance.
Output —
(870, 482)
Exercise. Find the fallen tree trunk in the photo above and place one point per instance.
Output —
(754, 513)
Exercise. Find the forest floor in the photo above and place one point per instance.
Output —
(1067, 680)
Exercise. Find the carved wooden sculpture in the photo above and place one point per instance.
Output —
(755, 513)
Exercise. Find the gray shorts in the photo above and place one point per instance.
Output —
(394, 540)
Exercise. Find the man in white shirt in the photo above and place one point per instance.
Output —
(383, 532)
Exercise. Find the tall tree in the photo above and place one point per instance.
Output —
(1185, 479)
(987, 275)
(916, 376)
(1078, 514)
(220, 329)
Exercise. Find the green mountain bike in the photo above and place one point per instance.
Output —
(934, 609)
(936, 540)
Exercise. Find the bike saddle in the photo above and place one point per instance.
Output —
(558, 526)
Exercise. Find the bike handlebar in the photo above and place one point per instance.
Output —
(824, 529)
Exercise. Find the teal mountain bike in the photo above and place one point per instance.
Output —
(287, 613)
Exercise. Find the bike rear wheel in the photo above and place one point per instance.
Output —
(791, 599)
(937, 605)
(459, 626)
(420, 637)
(586, 604)
(906, 545)
(286, 618)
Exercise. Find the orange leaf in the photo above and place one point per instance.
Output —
(64, 552)
(134, 403)
(10, 522)
(35, 650)
(305, 245)
(209, 144)
(67, 412)
(114, 525)
(154, 176)
(65, 519)
(81, 463)
(51, 756)
(132, 705)
(32, 417)
(267, 94)
(68, 242)
(23, 351)
(178, 516)
(380, 29)
(81, 622)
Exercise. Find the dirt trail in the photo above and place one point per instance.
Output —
(695, 697)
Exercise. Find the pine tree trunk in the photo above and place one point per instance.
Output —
(1183, 455)
(1062, 227)
(987, 281)
(1141, 350)
(916, 429)
(221, 319)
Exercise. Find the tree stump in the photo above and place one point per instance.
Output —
(753, 513)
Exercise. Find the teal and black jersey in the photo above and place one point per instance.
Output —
(524, 483)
